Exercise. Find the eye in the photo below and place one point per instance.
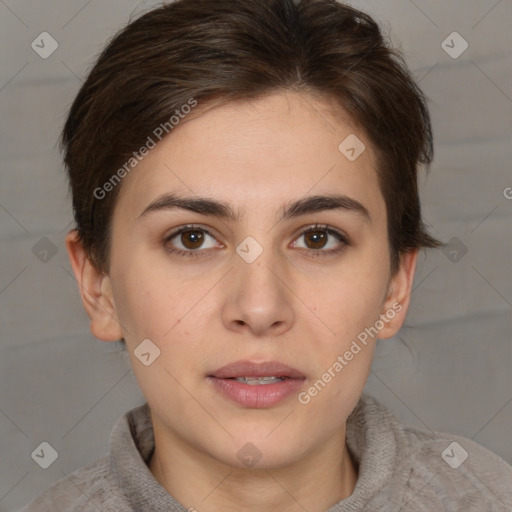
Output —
(189, 239)
(321, 240)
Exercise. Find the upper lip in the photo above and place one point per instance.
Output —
(252, 369)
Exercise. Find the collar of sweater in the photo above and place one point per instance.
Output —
(371, 435)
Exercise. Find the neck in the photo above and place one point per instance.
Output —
(200, 482)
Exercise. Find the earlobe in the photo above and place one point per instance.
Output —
(399, 294)
(95, 291)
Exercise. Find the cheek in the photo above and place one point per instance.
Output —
(350, 305)
(152, 302)
(143, 300)
(342, 359)
(353, 299)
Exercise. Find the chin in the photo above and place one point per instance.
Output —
(260, 452)
(249, 457)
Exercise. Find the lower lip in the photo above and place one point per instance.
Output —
(257, 396)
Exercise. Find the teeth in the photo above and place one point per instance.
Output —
(255, 381)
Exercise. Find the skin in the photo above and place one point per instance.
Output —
(215, 309)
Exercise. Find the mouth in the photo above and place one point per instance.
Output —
(257, 385)
(256, 381)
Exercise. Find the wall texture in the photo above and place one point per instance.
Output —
(450, 371)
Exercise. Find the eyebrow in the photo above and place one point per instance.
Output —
(222, 210)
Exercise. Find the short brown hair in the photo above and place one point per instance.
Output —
(232, 50)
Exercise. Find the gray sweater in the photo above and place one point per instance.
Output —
(401, 468)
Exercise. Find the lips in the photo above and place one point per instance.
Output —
(250, 369)
(257, 385)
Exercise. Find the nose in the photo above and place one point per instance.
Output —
(259, 298)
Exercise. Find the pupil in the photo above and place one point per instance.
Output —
(318, 238)
(192, 239)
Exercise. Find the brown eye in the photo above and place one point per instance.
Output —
(192, 239)
(189, 241)
(322, 240)
(316, 239)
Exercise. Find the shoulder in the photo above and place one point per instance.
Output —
(442, 471)
(459, 469)
(87, 489)
(98, 485)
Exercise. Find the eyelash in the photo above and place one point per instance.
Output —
(313, 252)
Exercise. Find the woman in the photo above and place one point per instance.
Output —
(245, 189)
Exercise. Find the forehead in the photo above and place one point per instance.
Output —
(258, 155)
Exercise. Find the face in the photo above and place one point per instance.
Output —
(271, 284)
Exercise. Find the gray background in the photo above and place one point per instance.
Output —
(453, 371)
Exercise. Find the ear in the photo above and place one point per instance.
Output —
(399, 294)
(95, 290)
